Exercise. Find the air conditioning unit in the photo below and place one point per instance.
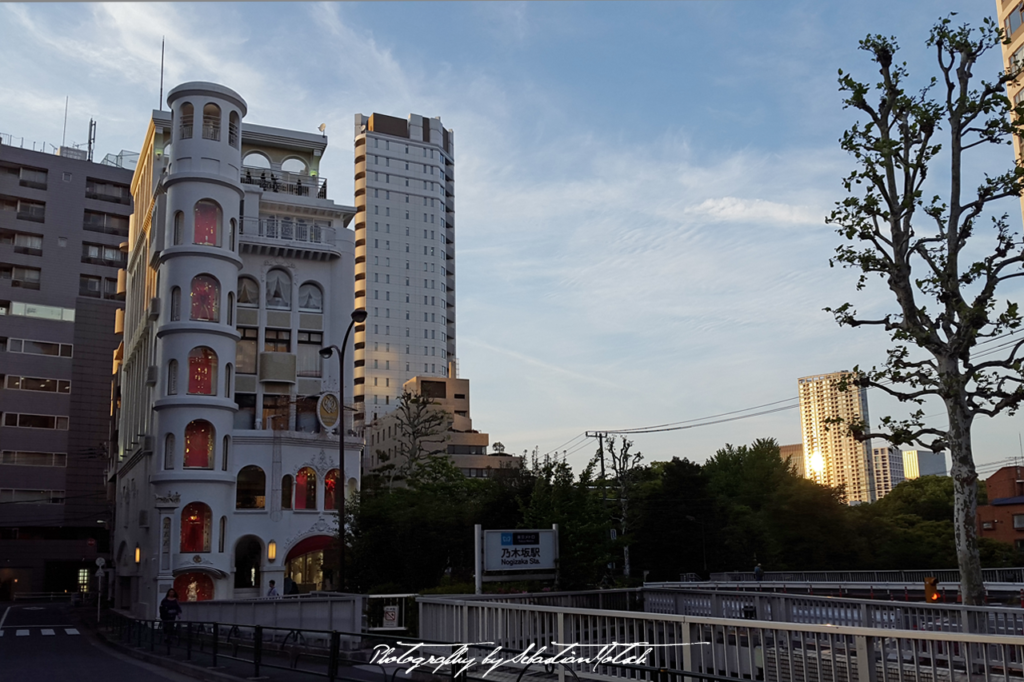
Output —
(154, 308)
(151, 374)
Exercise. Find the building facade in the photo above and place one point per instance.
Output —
(1011, 17)
(923, 463)
(832, 456)
(1002, 519)
(62, 222)
(888, 466)
(794, 455)
(457, 440)
(239, 271)
(405, 256)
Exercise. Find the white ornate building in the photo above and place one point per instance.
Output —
(239, 271)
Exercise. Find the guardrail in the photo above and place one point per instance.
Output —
(341, 612)
(945, 575)
(680, 647)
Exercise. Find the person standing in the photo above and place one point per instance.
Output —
(170, 609)
(272, 592)
(758, 573)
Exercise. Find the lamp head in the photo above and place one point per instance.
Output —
(359, 315)
(326, 352)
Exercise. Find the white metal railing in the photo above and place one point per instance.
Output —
(341, 612)
(284, 182)
(289, 229)
(945, 575)
(694, 646)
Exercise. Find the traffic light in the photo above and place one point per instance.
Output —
(931, 589)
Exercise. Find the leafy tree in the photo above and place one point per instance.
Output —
(946, 302)
(626, 472)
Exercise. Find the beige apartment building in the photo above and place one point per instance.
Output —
(831, 455)
(1011, 18)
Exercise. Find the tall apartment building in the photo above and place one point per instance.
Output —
(405, 256)
(923, 463)
(1011, 18)
(888, 466)
(831, 455)
(239, 271)
(62, 222)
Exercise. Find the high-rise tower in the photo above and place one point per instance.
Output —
(831, 455)
(405, 256)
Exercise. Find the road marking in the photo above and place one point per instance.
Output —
(35, 608)
(71, 631)
(21, 633)
(4, 618)
(47, 631)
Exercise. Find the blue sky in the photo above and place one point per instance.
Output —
(640, 187)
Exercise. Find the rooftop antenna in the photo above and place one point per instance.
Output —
(322, 129)
(92, 136)
(160, 105)
(64, 135)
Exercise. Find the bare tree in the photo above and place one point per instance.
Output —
(931, 253)
(625, 468)
(420, 425)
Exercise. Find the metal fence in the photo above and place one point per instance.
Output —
(945, 575)
(680, 647)
(340, 612)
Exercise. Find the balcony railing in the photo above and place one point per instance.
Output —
(211, 131)
(288, 229)
(284, 182)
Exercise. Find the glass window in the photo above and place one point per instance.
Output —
(187, 111)
(199, 445)
(305, 489)
(205, 298)
(172, 377)
(248, 292)
(279, 290)
(245, 417)
(245, 351)
(276, 413)
(305, 415)
(311, 299)
(277, 341)
(207, 223)
(202, 371)
(195, 528)
(330, 489)
(286, 492)
(211, 122)
(309, 360)
(250, 488)
(169, 451)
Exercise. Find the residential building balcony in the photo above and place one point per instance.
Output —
(284, 182)
(286, 236)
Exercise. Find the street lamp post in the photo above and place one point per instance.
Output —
(358, 315)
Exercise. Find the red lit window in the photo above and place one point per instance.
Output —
(205, 299)
(207, 223)
(199, 445)
(202, 371)
(330, 485)
(195, 528)
(193, 587)
(305, 489)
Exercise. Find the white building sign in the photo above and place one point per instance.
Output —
(520, 550)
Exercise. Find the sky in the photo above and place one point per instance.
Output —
(640, 187)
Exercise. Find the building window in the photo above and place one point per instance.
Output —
(207, 223)
(169, 451)
(245, 351)
(305, 489)
(276, 415)
(89, 286)
(185, 128)
(99, 254)
(30, 347)
(195, 528)
(1018, 521)
(172, 377)
(199, 445)
(286, 492)
(29, 244)
(36, 421)
(277, 341)
(19, 276)
(175, 304)
(211, 122)
(311, 299)
(248, 293)
(205, 299)
(202, 371)
(306, 415)
(279, 290)
(309, 360)
(250, 488)
(107, 191)
(226, 447)
(34, 459)
(330, 490)
(245, 416)
(233, 129)
(179, 228)
(26, 496)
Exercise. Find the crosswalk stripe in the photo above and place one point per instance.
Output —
(47, 631)
(71, 631)
(21, 633)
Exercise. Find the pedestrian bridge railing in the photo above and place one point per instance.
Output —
(945, 575)
(686, 647)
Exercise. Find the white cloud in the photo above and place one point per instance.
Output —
(734, 209)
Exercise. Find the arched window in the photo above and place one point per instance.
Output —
(305, 489)
(227, 381)
(330, 490)
(169, 451)
(175, 304)
(286, 492)
(195, 528)
(279, 290)
(211, 122)
(179, 228)
(205, 299)
(311, 298)
(297, 166)
(208, 218)
(256, 160)
(233, 128)
(248, 557)
(250, 488)
(199, 445)
(231, 235)
(248, 293)
(223, 534)
(187, 111)
(172, 377)
(231, 308)
(224, 456)
(202, 371)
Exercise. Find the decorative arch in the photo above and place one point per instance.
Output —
(294, 165)
(208, 217)
(311, 298)
(231, 308)
(251, 488)
(279, 290)
(199, 435)
(305, 489)
(202, 371)
(169, 451)
(287, 483)
(248, 293)
(211, 121)
(179, 229)
(256, 160)
(196, 522)
(331, 490)
(205, 299)
(175, 304)
(187, 114)
(172, 377)
(234, 126)
(248, 558)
